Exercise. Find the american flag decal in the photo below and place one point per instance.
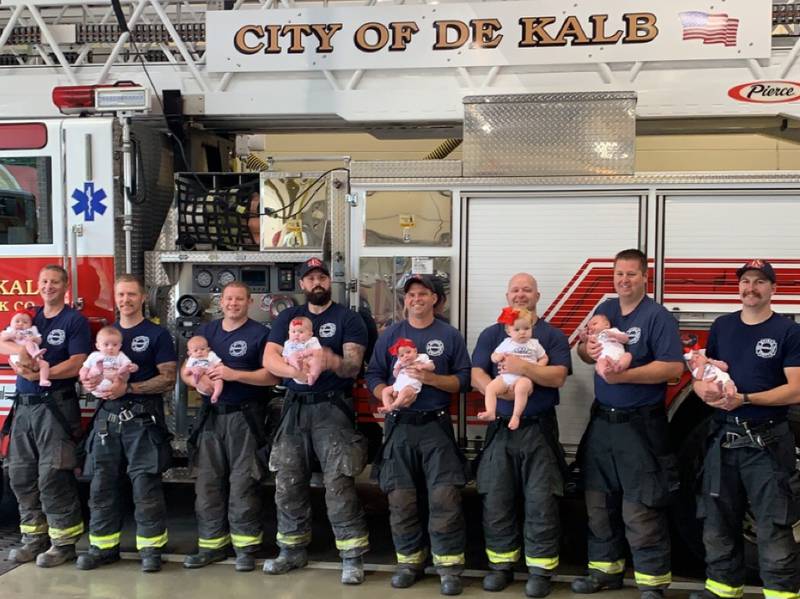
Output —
(712, 28)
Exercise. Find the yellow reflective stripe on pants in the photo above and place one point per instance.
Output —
(545, 563)
(413, 559)
(105, 541)
(723, 590)
(346, 544)
(293, 539)
(33, 529)
(780, 594)
(651, 580)
(503, 557)
(155, 542)
(217, 543)
(246, 540)
(617, 567)
(448, 560)
(65, 533)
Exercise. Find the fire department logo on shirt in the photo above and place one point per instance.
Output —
(56, 337)
(434, 347)
(634, 333)
(327, 330)
(237, 349)
(766, 348)
(140, 343)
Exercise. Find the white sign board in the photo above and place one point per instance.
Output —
(546, 32)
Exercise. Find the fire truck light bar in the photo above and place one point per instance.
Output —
(78, 99)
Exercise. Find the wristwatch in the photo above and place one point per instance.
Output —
(129, 389)
(746, 399)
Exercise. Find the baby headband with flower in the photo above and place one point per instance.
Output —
(401, 342)
(508, 316)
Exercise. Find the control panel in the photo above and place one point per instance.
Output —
(261, 279)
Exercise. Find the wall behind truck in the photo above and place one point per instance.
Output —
(722, 152)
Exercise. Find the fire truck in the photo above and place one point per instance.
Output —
(131, 140)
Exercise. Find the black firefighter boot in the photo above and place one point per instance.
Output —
(288, 559)
(597, 581)
(95, 558)
(537, 585)
(151, 559)
(204, 557)
(497, 579)
(352, 570)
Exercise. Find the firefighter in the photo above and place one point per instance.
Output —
(129, 435)
(420, 457)
(318, 424)
(629, 473)
(45, 426)
(528, 460)
(751, 455)
(228, 435)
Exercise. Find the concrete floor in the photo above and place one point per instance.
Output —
(220, 581)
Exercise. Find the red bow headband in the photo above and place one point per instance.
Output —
(297, 322)
(402, 342)
(508, 316)
(27, 313)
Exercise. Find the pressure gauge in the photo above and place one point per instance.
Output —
(188, 305)
(225, 277)
(203, 279)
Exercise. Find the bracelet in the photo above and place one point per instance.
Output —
(746, 400)
(129, 388)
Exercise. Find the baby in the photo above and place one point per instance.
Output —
(613, 357)
(200, 360)
(520, 343)
(22, 331)
(706, 369)
(405, 387)
(299, 349)
(108, 364)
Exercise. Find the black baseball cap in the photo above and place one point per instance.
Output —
(760, 265)
(424, 280)
(313, 264)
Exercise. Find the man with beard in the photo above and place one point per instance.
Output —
(527, 461)
(229, 434)
(318, 423)
(44, 423)
(130, 435)
(751, 449)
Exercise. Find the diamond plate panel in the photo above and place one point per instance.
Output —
(645, 179)
(549, 134)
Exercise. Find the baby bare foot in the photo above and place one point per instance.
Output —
(45, 383)
(487, 416)
(513, 424)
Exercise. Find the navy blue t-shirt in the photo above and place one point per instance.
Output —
(653, 336)
(556, 346)
(240, 349)
(65, 335)
(756, 355)
(443, 344)
(334, 327)
(147, 345)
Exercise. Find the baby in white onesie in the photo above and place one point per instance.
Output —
(405, 387)
(201, 359)
(519, 343)
(704, 368)
(108, 364)
(613, 357)
(299, 349)
(24, 333)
